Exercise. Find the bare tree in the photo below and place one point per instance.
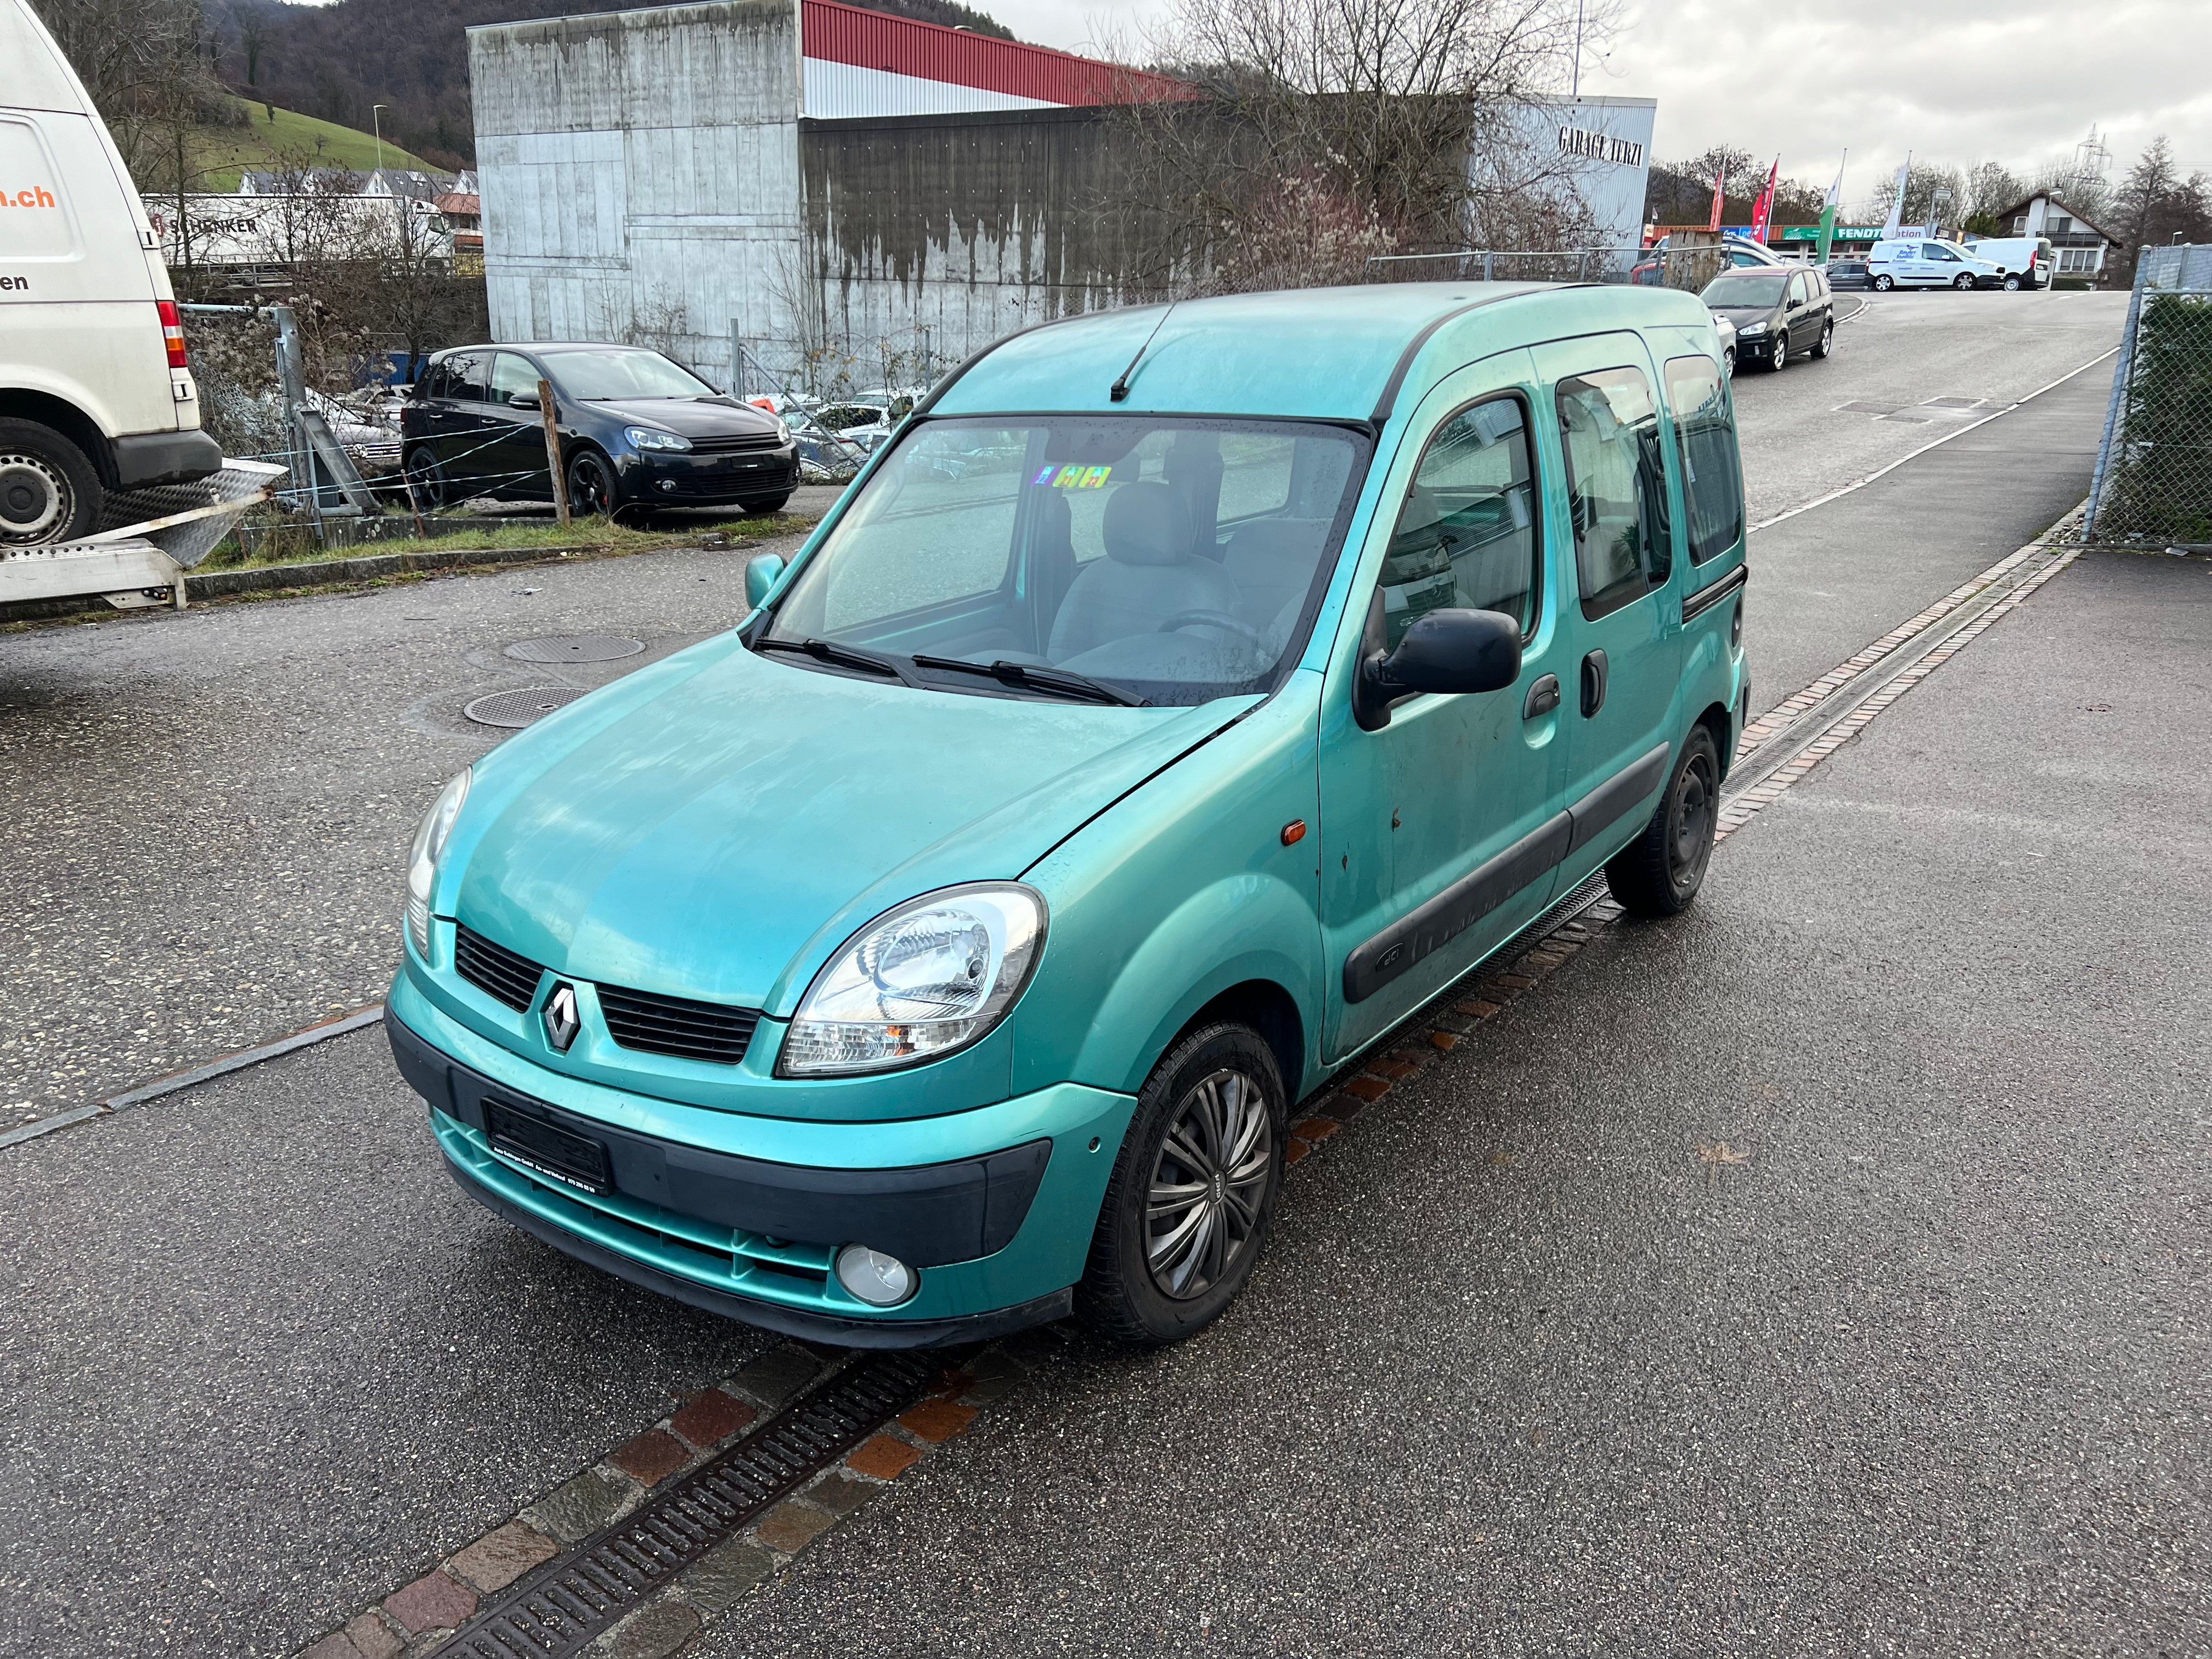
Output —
(1377, 120)
(144, 62)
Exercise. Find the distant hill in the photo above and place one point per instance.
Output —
(221, 154)
(334, 62)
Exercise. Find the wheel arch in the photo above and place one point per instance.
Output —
(44, 409)
(1720, 726)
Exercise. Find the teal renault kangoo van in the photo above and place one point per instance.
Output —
(1183, 699)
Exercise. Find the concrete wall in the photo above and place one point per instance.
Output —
(639, 175)
(968, 226)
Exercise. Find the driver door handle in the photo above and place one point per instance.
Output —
(1543, 697)
(1593, 671)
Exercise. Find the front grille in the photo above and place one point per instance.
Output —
(672, 1025)
(725, 443)
(496, 971)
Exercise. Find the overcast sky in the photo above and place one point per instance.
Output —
(1954, 80)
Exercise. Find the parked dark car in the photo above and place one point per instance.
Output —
(635, 430)
(1849, 271)
(1779, 313)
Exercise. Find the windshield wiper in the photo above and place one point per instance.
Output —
(1029, 678)
(842, 656)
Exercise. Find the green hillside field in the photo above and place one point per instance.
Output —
(222, 153)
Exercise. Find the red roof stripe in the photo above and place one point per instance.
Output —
(901, 46)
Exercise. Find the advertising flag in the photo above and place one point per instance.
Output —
(1896, 220)
(1829, 206)
(1762, 210)
(1720, 183)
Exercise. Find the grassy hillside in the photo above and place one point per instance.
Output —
(224, 152)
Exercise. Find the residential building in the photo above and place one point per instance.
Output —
(2079, 243)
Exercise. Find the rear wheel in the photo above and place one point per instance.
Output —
(1193, 1193)
(1659, 873)
(2012, 283)
(592, 490)
(49, 491)
(425, 481)
(1826, 342)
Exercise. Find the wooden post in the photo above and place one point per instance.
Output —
(553, 450)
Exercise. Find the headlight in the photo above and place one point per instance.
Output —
(423, 863)
(925, 980)
(1751, 329)
(782, 434)
(652, 437)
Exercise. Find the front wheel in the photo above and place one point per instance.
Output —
(1659, 873)
(1962, 281)
(1194, 1192)
(1779, 356)
(1826, 342)
(1883, 283)
(592, 490)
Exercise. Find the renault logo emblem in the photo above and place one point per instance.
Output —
(561, 1021)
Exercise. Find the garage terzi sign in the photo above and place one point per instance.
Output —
(1600, 147)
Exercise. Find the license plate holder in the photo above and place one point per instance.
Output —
(547, 1149)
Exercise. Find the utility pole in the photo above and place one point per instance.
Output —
(1576, 91)
(376, 119)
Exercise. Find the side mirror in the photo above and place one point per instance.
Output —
(761, 573)
(523, 400)
(1454, 653)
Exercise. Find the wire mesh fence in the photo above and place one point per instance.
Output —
(2153, 479)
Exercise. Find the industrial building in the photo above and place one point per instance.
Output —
(834, 190)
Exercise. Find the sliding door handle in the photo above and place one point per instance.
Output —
(1594, 670)
(1543, 697)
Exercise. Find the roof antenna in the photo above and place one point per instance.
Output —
(1120, 389)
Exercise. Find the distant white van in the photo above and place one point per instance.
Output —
(1920, 263)
(95, 391)
(2023, 261)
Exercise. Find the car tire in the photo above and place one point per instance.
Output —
(1727, 362)
(592, 491)
(1826, 343)
(428, 490)
(49, 490)
(1778, 354)
(2012, 283)
(1883, 283)
(1149, 1281)
(1962, 281)
(765, 503)
(1659, 873)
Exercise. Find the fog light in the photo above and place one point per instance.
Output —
(668, 484)
(880, 1280)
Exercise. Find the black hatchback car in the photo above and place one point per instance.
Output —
(636, 430)
(1780, 312)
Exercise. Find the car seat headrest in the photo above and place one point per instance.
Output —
(1146, 523)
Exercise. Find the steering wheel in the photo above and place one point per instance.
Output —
(1220, 619)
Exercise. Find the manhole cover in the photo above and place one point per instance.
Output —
(516, 709)
(576, 647)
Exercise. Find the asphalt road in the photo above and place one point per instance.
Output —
(1520, 1371)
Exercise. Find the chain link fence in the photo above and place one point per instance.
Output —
(2153, 479)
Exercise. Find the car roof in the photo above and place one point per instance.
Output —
(1316, 353)
(541, 347)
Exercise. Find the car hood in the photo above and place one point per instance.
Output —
(1742, 316)
(715, 824)
(695, 417)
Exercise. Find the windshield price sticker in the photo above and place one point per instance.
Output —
(1075, 476)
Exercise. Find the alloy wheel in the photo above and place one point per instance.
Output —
(591, 492)
(1780, 358)
(1962, 281)
(1202, 1206)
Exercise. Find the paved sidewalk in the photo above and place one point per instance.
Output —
(1534, 1367)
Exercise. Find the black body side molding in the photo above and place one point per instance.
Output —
(1620, 793)
(1458, 908)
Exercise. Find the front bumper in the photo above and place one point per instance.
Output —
(744, 1215)
(708, 479)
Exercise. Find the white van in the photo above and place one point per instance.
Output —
(2022, 261)
(1919, 263)
(96, 393)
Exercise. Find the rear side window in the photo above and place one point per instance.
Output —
(1616, 489)
(465, 376)
(1704, 438)
(1466, 536)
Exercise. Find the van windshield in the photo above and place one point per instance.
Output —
(1174, 559)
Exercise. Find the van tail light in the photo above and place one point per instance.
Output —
(172, 333)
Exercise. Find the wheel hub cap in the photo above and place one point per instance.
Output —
(1202, 1207)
